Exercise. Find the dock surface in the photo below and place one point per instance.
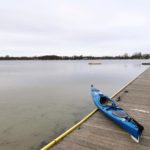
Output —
(100, 133)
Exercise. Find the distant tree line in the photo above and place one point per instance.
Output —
(49, 57)
(137, 55)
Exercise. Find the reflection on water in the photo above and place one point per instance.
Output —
(40, 99)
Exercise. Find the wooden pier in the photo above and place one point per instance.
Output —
(100, 133)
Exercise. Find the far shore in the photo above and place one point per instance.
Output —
(55, 57)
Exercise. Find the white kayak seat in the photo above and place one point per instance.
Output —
(120, 113)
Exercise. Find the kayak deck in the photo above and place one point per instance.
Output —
(99, 132)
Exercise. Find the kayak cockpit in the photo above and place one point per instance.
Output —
(105, 101)
(109, 104)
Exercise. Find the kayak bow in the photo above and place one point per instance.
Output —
(113, 111)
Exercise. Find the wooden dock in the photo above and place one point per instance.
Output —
(100, 133)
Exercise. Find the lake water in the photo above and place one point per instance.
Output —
(41, 99)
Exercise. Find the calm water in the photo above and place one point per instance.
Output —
(41, 99)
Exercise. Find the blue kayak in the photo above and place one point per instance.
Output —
(109, 107)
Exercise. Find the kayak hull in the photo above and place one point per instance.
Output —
(124, 120)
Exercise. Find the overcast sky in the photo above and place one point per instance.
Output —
(74, 27)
